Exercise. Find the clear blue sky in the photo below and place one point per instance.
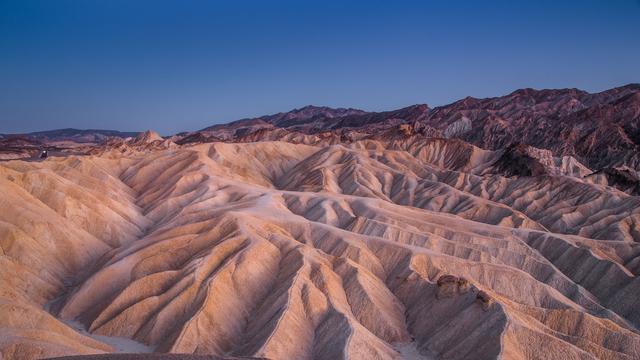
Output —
(183, 65)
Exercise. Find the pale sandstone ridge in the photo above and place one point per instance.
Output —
(290, 251)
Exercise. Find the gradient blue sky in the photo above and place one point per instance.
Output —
(183, 65)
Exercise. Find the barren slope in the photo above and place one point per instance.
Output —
(285, 251)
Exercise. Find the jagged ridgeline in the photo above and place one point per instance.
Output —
(489, 228)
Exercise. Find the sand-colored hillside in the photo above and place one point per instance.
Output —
(371, 250)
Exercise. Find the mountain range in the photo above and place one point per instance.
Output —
(499, 228)
(599, 129)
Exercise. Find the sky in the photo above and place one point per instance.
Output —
(175, 66)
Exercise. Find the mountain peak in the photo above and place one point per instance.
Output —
(313, 110)
(148, 136)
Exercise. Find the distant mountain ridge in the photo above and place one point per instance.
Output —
(294, 117)
(76, 135)
(600, 129)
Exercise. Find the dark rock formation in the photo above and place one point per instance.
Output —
(485, 300)
(622, 178)
(447, 286)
